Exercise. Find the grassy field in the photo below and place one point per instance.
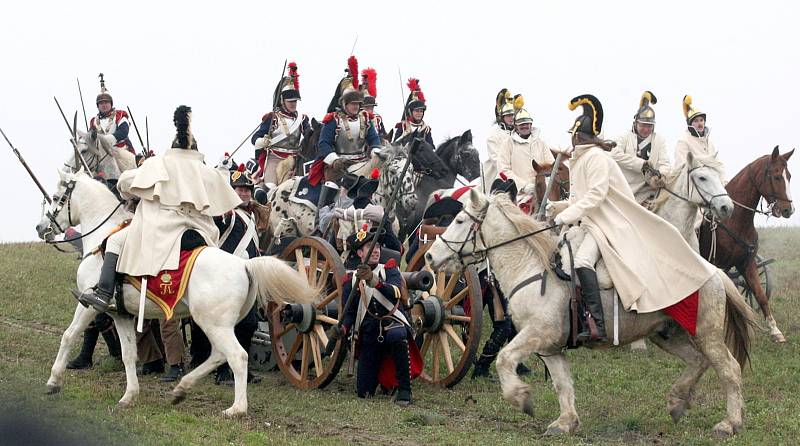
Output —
(621, 396)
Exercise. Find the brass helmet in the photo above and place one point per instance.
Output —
(347, 89)
(503, 105)
(590, 122)
(369, 86)
(690, 112)
(416, 99)
(522, 117)
(646, 114)
(288, 88)
(104, 94)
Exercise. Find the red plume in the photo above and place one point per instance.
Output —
(503, 176)
(226, 155)
(413, 86)
(241, 168)
(365, 227)
(295, 75)
(371, 79)
(437, 197)
(352, 67)
(375, 174)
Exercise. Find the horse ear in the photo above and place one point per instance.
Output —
(776, 152)
(535, 165)
(466, 137)
(787, 155)
(390, 136)
(474, 197)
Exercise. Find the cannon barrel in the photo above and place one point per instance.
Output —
(418, 280)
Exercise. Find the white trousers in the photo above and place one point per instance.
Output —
(116, 241)
(588, 253)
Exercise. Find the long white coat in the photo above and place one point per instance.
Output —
(514, 157)
(651, 265)
(177, 192)
(701, 147)
(625, 156)
(496, 138)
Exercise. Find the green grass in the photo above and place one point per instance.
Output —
(621, 396)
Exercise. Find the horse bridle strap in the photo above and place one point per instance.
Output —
(532, 279)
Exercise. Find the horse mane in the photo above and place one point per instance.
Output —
(447, 148)
(542, 243)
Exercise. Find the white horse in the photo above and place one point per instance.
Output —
(100, 157)
(543, 320)
(221, 290)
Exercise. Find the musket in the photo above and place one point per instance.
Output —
(499, 313)
(553, 174)
(30, 172)
(80, 93)
(389, 204)
(139, 135)
(74, 134)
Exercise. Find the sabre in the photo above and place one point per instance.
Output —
(389, 205)
(553, 174)
(142, 293)
(242, 143)
(73, 133)
(147, 133)
(30, 172)
(352, 50)
(80, 93)
(139, 135)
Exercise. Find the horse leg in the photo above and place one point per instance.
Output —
(214, 360)
(710, 340)
(515, 391)
(754, 282)
(80, 320)
(127, 342)
(682, 391)
(568, 421)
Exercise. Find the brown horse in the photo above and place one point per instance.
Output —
(559, 191)
(736, 238)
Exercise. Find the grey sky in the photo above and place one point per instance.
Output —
(737, 59)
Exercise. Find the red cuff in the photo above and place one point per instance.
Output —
(379, 285)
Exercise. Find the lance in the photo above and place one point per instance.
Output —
(80, 93)
(30, 172)
(74, 139)
(389, 204)
(139, 135)
(553, 174)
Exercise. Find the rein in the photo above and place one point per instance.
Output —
(66, 198)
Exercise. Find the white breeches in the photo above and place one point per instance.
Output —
(116, 241)
(588, 253)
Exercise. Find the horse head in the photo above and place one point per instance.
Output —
(461, 239)
(466, 159)
(775, 183)
(61, 213)
(391, 159)
(310, 144)
(705, 185)
(560, 189)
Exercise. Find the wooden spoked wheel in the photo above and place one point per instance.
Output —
(447, 323)
(298, 334)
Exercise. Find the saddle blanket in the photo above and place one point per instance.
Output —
(167, 288)
(305, 193)
(387, 375)
(685, 312)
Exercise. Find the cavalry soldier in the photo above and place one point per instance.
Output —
(600, 199)
(500, 131)
(696, 138)
(110, 124)
(238, 229)
(282, 129)
(348, 133)
(179, 194)
(369, 87)
(515, 155)
(413, 114)
(378, 318)
(641, 153)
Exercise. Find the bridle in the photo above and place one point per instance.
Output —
(706, 201)
(773, 198)
(66, 199)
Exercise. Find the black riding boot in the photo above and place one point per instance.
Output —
(500, 334)
(590, 292)
(402, 364)
(112, 341)
(104, 291)
(84, 358)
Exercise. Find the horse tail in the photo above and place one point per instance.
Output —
(273, 280)
(739, 319)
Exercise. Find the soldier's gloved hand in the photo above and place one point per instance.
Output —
(656, 181)
(262, 143)
(108, 140)
(364, 272)
(549, 210)
(226, 162)
(529, 189)
(335, 333)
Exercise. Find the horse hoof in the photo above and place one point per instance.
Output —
(554, 430)
(527, 407)
(53, 389)
(677, 410)
(778, 338)
(178, 396)
(232, 413)
(723, 430)
(122, 405)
